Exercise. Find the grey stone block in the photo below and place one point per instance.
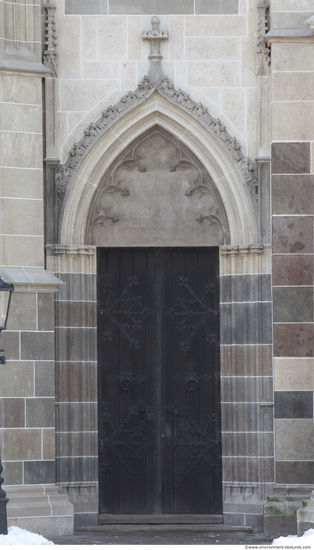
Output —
(77, 344)
(293, 304)
(293, 194)
(263, 176)
(17, 379)
(233, 519)
(77, 417)
(216, 6)
(280, 526)
(46, 311)
(291, 158)
(21, 444)
(12, 412)
(82, 520)
(247, 444)
(37, 346)
(49, 527)
(294, 404)
(151, 7)
(244, 417)
(246, 323)
(12, 473)
(245, 288)
(78, 444)
(295, 472)
(246, 469)
(11, 344)
(243, 388)
(77, 469)
(256, 521)
(22, 311)
(246, 360)
(76, 314)
(39, 472)
(77, 287)
(40, 412)
(293, 340)
(86, 7)
(77, 381)
(44, 379)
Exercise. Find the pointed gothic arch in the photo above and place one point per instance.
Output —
(191, 125)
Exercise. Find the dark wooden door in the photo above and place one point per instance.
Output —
(159, 381)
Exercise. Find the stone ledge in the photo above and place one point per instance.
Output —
(289, 35)
(41, 509)
(30, 278)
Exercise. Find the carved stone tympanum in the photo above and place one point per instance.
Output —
(155, 194)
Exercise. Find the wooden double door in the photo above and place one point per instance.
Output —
(158, 381)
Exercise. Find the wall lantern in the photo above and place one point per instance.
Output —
(6, 290)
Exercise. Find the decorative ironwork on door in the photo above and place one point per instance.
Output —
(159, 406)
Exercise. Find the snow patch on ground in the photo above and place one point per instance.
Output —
(293, 540)
(21, 536)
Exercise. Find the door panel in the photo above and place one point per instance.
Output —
(159, 405)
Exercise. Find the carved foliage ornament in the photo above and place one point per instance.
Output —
(50, 56)
(262, 52)
(131, 100)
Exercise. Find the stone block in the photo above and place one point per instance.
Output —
(150, 7)
(292, 86)
(245, 288)
(134, 38)
(293, 304)
(21, 217)
(128, 75)
(294, 439)
(21, 444)
(253, 324)
(244, 469)
(77, 444)
(112, 38)
(39, 472)
(18, 88)
(69, 43)
(293, 194)
(38, 346)
(23, 315)
(291, 270)
(40, 412)
(48, 527)
(46, 312)
(44, 379)
(77, 344)
(243, 417)
(294, 404)
(77, 417)
(292, 120)
(216, 25)
(247, 444)
(246, 360)
(76, 314)
(247, 389)
(11, 344)
(12, 412)
(84, 496)
(21, 183)
(81, 520)
(290, 19)
(213, 73)
(256, 521)
(17, 379)
(292, 234)
(279, 526)
(234, 519)
(295, 373)
(95, 70)
(176, 31)
(295, 56)
(20, 150)
(293, 340)
(20, 118)
(49, 444)
(291, 158)
(77, 382)
(77, 287)
(77, 469)
(216, 6)
(79, 95)
(12, 473)
(86, 7)
(295, 472)
(212, 48)
(89, 39)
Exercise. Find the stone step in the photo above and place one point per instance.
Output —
(111, 519)
(164, 528)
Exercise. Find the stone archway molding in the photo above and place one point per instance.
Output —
(148, 106)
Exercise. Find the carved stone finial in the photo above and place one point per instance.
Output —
(262, 52)
(155, 36)
(50, 51)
